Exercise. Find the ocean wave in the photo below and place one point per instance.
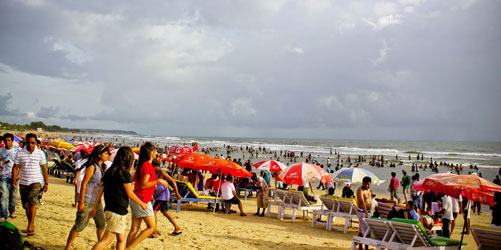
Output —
(463, 154)
(172, 138)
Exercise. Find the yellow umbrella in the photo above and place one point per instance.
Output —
(135, 150)
(62, 144)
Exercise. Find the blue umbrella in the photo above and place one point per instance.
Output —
(355, 175)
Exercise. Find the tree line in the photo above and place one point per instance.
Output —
(35, 126)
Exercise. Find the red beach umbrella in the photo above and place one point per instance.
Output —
(222, 166)
(472, 187)
(419, 185)
(271, 165)
(301, 173)
(192, 160)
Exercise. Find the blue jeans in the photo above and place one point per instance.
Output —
(417, 202)
(8, 197)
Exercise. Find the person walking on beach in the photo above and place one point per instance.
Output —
(8, 192)
(117, 187)
(26, 169)
(94, 171)
(364, 198)
(162, 196)
(406, 184)
(145, 181)
(262, 194)
(393, 187)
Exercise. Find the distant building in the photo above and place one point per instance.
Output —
(39, 129)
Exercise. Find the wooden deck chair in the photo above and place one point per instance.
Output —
(486, 237)
(347, 209)
(297, 202)
(378, 234)
(412, 235)
(329, 207)
(278, 199)
(188, 194)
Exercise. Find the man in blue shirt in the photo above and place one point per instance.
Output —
(8, 192)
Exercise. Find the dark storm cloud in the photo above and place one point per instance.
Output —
(5, 105)
(260, 68)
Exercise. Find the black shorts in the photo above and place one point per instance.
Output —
(162, 206)
(455, 215)
(233, 200)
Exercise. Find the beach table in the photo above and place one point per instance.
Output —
(246, 192)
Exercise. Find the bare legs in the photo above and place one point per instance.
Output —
(108, 238)
(73, 234)
(133, 238)
(31, 212)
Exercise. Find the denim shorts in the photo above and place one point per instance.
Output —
(138, 212)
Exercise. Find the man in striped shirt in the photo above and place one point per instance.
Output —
(30, 170)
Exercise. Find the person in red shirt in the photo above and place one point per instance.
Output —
(145, 181)
(393, 188)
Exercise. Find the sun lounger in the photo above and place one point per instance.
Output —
(384, 209)
(347, 209)
(412, 235)
(329, 207)
(297, 202)
(378, 235)
(279, 197)
(486, 237)
(189, 194)
(401, 234)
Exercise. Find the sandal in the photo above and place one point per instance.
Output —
(12, 216)
(30, 233)
(175, 233)
(153, 236)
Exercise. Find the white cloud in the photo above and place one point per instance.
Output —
(31, 115)
(298, 50)
(383, 22)
(383, 53)
(72, 53)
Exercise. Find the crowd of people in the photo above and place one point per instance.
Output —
(142, 186)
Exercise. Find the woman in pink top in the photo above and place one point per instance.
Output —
(145, 181)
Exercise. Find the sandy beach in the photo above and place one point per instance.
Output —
(202, 229)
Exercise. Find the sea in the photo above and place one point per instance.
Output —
(481, 154)
(485, 155)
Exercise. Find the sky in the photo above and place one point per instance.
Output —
(386, 70)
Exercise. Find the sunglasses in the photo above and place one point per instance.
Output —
(32, 142)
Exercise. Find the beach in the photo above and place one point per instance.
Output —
(203, 229)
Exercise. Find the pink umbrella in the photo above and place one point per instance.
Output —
(272, 166)
(301, 173)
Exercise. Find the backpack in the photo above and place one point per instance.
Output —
(11, 239)
(406, 182)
